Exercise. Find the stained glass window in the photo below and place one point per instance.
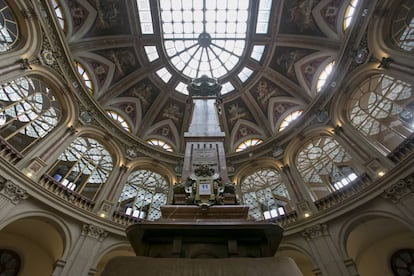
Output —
(248, 143)
(289, 119)
(204, 37)
(152, 53)
(84, 74)
(145, 17)
(402, 262)
(382, 109)
(164, 74)
(59, 13)
(263, 16)
(324, 166)
(324, 75)
(143, 194)
(160, 143)
(265, 193)
(83, 167)
(9, 31)
(349, 13)
(403, 26)
(119, 119)
(28, 111)
(257, 52)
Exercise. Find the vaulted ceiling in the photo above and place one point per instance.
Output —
(106, 38)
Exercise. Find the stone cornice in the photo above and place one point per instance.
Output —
(94, 231)
(315, 231)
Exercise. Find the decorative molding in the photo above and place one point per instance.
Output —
(11, 191)
(94, 231)
(400, 189)
(316, 231)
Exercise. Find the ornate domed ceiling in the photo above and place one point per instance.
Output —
(138, 56)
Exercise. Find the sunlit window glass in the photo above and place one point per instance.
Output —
(289, 119)
(349, 13)
(83, 167)
(204, 37)
(265, 194)
(145, 17)
(323, 77)
(143, 195)
(263, 16)
(248, 143)
(119, 119)
(84, 74)
(159, 143)
(152, 53)
(28, 111)
(59, 13)
(403, 26)
(9, 31)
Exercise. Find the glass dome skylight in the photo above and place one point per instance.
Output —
(204, 37)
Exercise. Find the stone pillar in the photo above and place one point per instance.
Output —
(110, 197)
(10, 195)
(401, 194)
(362, 150)
(325, 253)
(304, 202)
(83, 254)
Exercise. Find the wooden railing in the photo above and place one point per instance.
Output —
(50, 184)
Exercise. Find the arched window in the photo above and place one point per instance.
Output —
(324, 75)
(402, 262)
(143, 195)
(289, 119)
(349, 13)
(9, 31)
(85, 76)
(248, 143)
(402, 27)
(119, 119)
(382, 109)
(9, 263)
(28, 112)
(265, 193)
(324, 166)
(83, 167)
(59, 13)
(161, 144)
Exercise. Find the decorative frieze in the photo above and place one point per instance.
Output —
(11, 191)
(315, 231)
(94, 231)
(400, 189)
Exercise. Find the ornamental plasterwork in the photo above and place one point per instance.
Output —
(12, 192)
(316, 231)
(400, 189)
(94, 231)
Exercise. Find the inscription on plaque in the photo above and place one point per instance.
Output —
(204, 156)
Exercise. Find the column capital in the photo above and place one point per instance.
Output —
(315, 231)
(400, 189)
(94, 231)
(12, 192)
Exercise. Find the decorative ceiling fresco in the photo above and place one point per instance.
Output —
(106, 38)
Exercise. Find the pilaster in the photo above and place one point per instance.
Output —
(326, 254)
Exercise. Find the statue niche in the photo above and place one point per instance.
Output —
(204, 188)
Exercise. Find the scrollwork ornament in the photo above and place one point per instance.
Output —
(400, 189)
(94, 231)
(12, 192)
(315, 231)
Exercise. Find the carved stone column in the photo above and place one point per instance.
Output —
(304, 203)
(10, 195)
(326, 254)
(401, 194)
(84, 252)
